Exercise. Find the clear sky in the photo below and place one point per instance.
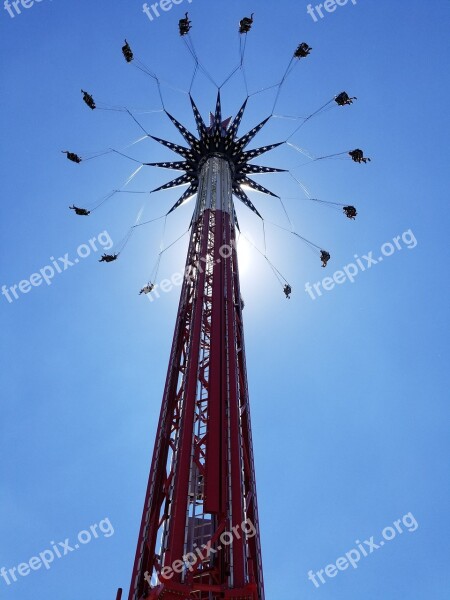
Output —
(349, 408)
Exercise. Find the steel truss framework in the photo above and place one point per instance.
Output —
(199, 535)
(201, 496)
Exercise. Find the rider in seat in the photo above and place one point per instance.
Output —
(185, 25)
(288, 291)
(358, 156)
(127, 52)
(324, 257)
(246, 24)
(72, 156)
(80, 211)
(88, 99)
(109, 258)
(147, 289)
(350, 212)
(343, 98)
(303, 50)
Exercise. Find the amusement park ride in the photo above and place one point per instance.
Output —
(199, 536)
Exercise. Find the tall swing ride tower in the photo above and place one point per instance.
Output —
(199, 537)
(201, 503)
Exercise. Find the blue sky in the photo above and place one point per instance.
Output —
(348, 392)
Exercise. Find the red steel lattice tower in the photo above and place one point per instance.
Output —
(199, 535)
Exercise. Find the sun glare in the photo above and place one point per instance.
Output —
(244, 255)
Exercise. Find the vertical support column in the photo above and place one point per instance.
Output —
(202, 480)
(182, 470)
